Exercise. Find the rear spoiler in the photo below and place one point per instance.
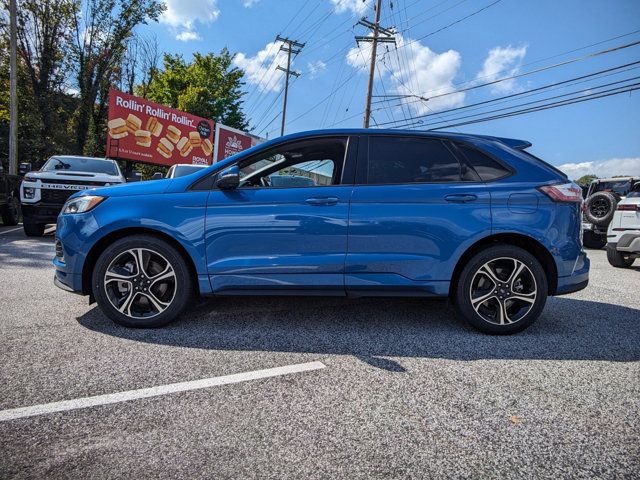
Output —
(509, 142)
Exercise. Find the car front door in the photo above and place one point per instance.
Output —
(290, 237)
(415, 208)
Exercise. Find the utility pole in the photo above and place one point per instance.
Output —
(13, 89)
(387, 36)
(291, 47)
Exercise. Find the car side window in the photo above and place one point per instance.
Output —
(487, 168)
(307, 163)
(410, 160)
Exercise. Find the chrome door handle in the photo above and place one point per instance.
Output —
(461, 198)
(322, 201)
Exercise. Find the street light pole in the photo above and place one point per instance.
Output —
(13, 89)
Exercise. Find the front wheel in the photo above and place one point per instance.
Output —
(33, 229)
(11, 212)
(501, 290)
(618, 259)
(141, 281)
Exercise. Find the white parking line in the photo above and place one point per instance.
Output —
(12, 230)
(107, 399)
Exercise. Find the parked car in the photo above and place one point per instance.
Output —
(474, 218)
(9, 197)
(44, 192)
(182, 169)
(623, 236)
(599, 206)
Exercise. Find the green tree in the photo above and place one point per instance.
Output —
(209, 86)
(586, 179)
(44, 34)
(101, 33)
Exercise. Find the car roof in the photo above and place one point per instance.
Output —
(511, 142)
(615, 179)
(81, 157)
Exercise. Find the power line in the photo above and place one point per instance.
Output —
(531, 72)
(517, 94)
(584, 98)
(590, 89)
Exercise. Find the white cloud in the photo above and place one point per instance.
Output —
(502, 62)
(187, 36)
(260, 70)
(316, 68)
(414, 69)
(602, 168)
(249, 3)
(356, 7)
(182, 16)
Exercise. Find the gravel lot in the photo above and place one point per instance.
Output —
(408, 390)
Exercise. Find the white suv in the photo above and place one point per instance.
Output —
(623, 235)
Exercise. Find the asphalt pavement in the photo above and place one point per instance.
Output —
(407, 389)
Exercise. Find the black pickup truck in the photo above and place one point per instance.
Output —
(9, 197)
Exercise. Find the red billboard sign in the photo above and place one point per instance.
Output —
(145, 131)
(230, 141)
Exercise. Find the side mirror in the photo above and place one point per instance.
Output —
(157, 176)
(24, 168)
(229, 178)
(134, 177)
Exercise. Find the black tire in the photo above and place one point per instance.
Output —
(591, 240)
(518, 314)
(33, 229)
(600, 207)
(11, 212)
(120, 258)
(618, 259)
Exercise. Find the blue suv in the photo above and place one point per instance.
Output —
(383, 213)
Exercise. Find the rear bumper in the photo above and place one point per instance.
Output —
(627, 242)
(578, 280)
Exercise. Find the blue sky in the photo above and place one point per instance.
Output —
(509, 37)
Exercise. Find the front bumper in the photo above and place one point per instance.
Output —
(41, 212)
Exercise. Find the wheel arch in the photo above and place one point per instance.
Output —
(104, 242)
(531, 245)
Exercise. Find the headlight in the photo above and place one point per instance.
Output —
(29, 192)
(82, 204)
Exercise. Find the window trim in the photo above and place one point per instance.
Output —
(510, 170)
(350, 152)
(363, 162)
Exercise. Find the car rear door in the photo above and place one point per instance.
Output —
(414, 209)
(286, 238)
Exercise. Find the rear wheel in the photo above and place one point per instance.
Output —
(591, 240)
(501, 290)
(141, 281)
(33, 229)
(618, 259)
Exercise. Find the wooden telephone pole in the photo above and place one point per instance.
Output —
(387, 36)
(291, 47)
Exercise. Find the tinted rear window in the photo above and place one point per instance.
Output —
(80, 164)
(487, 168)
(410, 160)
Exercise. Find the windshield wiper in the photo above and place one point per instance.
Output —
(64, 165)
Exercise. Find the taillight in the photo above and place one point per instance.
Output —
(629, 206)
(565, 192)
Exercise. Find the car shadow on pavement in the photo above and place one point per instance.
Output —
(569, 329)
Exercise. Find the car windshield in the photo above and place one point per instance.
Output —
(621, 187)
(182, 170)
(81, 164)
